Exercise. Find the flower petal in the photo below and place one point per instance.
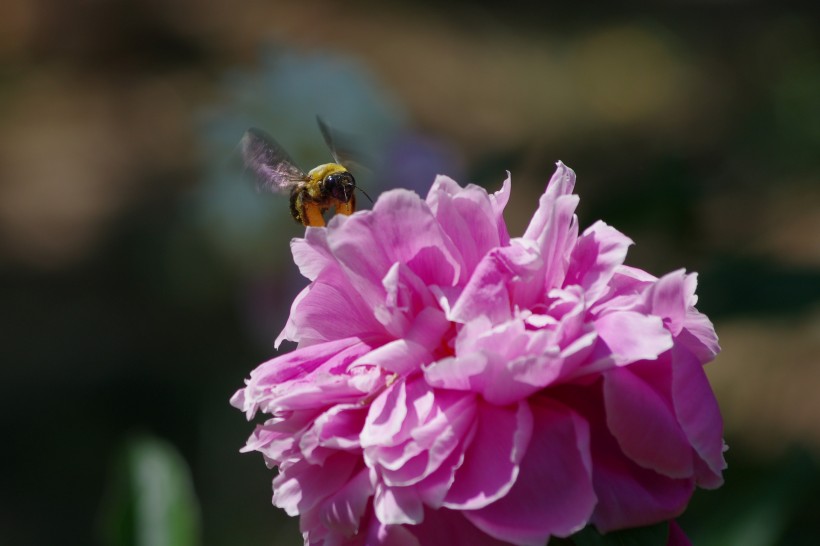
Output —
(467, 216)
(342, 512)
(644, 423)
(554, 230)
(597, 254)
(698, 336)
(633, 336)
(553, 494)
(451, 528)
(397, 505)
(300, 485)
(329, 309)
(369, 243)
(491, 461)
(275, 381)
(668, 299)
(311, 254)
(489, 292)
(699, 415)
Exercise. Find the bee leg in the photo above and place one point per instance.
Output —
(312, 215)
(305, 211)
(347, 208)
(296, 206)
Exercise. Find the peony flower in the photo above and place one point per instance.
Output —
(453, 385)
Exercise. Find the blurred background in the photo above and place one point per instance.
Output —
(142, 278)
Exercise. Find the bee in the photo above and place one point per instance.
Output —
(312, 193)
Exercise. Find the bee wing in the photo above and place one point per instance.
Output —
(270, 163)
(344, 156)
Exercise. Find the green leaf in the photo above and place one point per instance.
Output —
(150, 500)
(654, 535)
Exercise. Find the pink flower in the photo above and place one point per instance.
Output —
(452, 385)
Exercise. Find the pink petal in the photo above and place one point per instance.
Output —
(342, 512)
(401, 356)
(445, 431)
(368, 244)
(431, 444)
(490, 375)
(467, 216)
(397, 505)
(467, 373)
(337, 428)
(668, 299)
(499, 202)
(561, 184)
(385, 418)
(434, 488)
(554, 229)
(644, 424)
(406, 296)
(595, 258)
(698, 336)
(330, 309)
(451, 528)
(633, 336)
(699, 415)
(300, 485)
(489, 291)
(500, 441)
(312, 254)
(553, 494)
(380, 534)
(273, 380)
(278, 437)
(629, 495)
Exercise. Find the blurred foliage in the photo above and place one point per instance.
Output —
(151, 500)
(142, 278)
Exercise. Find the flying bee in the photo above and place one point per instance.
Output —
(312, 193)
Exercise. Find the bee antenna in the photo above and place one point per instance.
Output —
(365, 193)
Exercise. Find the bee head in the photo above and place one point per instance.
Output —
(340, 185)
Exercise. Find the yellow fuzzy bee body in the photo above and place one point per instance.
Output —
(311, 194)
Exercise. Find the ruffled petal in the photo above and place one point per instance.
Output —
(699, 336)
(699, 416)
(668, 299)
(342, 512)
(554, 230)
(644, 423)
(451, 528)
(397, 505)
(467, 216)
(300, 485)
(631, 337)
(500, 441)
(329, 309)
(273, 383)
(311, 254)
(553, 494)
(598, 252)
(368, 244)
(499, 276)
